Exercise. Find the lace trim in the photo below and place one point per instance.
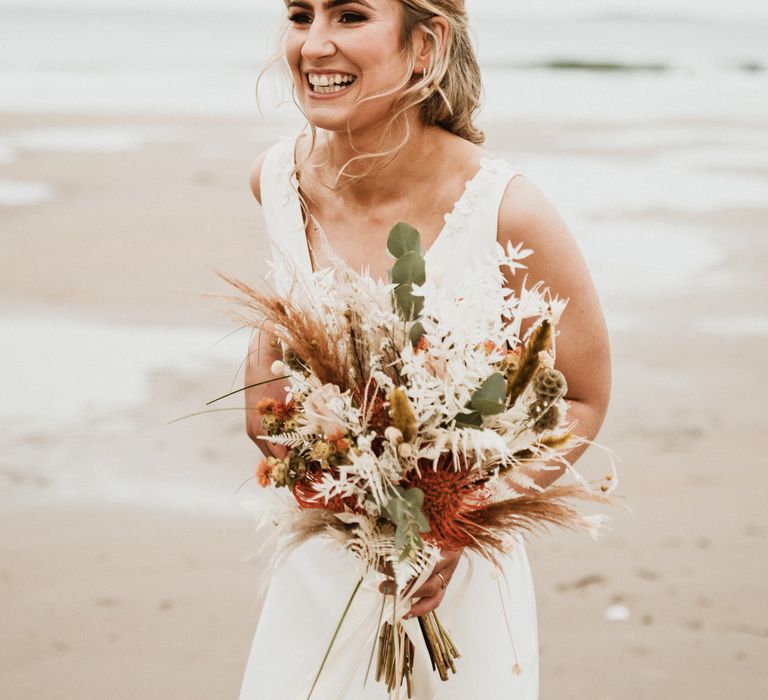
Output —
(474, 191)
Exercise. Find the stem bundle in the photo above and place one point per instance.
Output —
(396, 652)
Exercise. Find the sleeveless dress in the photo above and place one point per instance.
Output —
(490, 613)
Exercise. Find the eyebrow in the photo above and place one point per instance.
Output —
(329, 4)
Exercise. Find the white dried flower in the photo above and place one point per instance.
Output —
(278, 368)
(363, 444)
(405, 450)
(393, 435)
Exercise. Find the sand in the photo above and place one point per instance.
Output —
(106, 594)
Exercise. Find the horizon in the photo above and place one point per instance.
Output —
(707, 10)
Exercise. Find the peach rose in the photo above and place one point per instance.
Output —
(322, 408)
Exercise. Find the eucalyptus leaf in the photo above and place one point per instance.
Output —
(416, 333)
(473, 419)
(408, 305)
(490, 396)
(414, 497)
(409, 268)
(487, 408)
(403, 238)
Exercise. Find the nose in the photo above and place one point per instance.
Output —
(318, 42)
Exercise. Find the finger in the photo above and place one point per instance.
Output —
(388, 587)
(425, 605)
(432, 586)
(449, 561)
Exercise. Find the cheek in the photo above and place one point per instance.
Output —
(292, 54)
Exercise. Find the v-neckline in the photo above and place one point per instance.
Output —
(457, 206)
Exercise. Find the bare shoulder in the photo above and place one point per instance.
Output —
(526, 216)
(255, 175)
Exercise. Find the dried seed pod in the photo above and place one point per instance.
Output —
(279, 471)
(293, 361)
(545, 416)
(270, 423)
(549, 384)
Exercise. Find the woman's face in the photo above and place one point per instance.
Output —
(340, 51)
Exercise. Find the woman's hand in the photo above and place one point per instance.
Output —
(432, 591)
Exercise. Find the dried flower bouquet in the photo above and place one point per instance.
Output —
(412, 423)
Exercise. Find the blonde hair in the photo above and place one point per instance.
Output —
(447, 93)
(450, 90)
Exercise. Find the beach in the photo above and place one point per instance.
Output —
(126, 139)
(125, 561)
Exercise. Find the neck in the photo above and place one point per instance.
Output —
(381, 177)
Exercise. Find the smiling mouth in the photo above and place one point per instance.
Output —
(329, 83)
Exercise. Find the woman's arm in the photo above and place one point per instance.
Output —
(583, 353)
(262, 352)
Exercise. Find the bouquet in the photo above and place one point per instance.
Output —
(414, 421)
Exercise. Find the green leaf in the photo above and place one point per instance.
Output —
(409, 268)
(416, 333)
(474, 419)
(414, 497)
(490, 396)
(422, 522)
(403, 238)
(407, 304)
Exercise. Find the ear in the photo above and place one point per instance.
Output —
(424, 40)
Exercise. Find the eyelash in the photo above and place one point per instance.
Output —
(304, 18)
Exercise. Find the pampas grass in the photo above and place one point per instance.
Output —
(322, 350)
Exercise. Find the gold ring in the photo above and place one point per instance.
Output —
(443, 580)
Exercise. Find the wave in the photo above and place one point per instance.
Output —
(581, 65)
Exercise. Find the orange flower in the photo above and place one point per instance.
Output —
(422, 343)
(306, 496)
(285, 410)
(263, 473)
(449, 497)
(266, 406)
(339, 442)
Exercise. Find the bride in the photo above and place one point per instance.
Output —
(389, 89)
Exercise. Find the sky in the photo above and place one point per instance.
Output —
(734, 9)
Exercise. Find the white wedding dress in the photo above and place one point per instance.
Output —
(490, 614)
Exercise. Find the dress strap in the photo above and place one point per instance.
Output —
(282, 215)
(471, 229)
(491, 188)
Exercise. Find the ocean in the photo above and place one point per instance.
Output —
(583, 61)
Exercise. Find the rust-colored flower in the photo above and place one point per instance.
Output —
(339, 442)
(266, 406)
(449, 495)
(306, 496)
(285, 410)
(264, 473)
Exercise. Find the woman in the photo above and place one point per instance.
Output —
(392, 86)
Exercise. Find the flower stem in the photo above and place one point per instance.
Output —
(376, 637)
(333, 639)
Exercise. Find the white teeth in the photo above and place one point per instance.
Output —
(331, 81)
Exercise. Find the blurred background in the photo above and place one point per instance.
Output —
(126, 133)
